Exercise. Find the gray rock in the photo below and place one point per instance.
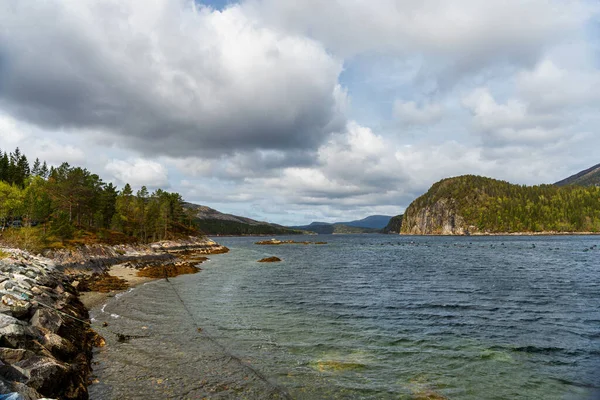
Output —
(10, 326)
(45, 374)
(46, 319)
(59, 346)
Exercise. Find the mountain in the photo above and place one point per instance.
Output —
(324, 228)
(394, 225)
(588, 177)
(373, 222)
(213, 222)
(477, 205)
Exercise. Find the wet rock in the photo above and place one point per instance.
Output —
(269, 260)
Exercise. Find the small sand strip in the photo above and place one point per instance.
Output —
(92, 299)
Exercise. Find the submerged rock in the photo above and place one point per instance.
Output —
(270, 259)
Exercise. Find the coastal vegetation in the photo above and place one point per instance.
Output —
(475, 204)
(43, 206)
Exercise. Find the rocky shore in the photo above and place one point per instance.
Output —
(45, 338)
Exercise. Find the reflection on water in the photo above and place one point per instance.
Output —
(366, 316)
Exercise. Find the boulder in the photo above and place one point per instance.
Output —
(46, 320)
(59, 347)
(10, 326)
(46, 375)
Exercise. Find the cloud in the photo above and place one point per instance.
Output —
(9, 131)
(36, 143)
(511, 123)
(167, 77)
(139, 172)
(465, 36)
(410, 113)
(548, 87)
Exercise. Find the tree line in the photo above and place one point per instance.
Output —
(64, 200)
(499, 206)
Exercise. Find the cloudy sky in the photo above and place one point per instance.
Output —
(293, 111)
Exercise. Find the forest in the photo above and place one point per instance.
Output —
(43, 206)
(498, 206)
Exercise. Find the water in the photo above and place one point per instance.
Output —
(366, 316)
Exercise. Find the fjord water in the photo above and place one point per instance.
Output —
(365, 316)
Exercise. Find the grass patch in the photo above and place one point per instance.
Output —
(3, 254)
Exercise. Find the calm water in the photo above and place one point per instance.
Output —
(366, 316)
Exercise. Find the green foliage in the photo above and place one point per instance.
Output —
(395, 225)
(30, 239)
(70, 202)
(3, 254)
(498, 206)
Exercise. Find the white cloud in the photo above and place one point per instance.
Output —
(139, 172)
(471, 33)
(9, 131)
(409, 113)
(510, 123)
(548, 87)
(56, 153)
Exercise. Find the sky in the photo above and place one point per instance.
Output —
(297, 111)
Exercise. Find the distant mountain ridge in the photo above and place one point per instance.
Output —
(213, 222)
(370, 224)
(372, 221)
(587, 177)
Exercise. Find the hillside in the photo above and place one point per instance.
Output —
(372, 221)
(213, 222)
(588, 177)
(394, 225)
(324, 228)
(474, 204)
(370, 224)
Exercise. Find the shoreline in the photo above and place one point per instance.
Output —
(502, 234)
(47, 336)
(93, 299)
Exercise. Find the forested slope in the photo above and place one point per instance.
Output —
(475, 204)
(40, 206)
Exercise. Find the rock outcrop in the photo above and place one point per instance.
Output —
(269, 259)
(439, 218)
(394, 226)
(97, 257)
(45, 340)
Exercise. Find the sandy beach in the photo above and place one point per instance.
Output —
(92, 299)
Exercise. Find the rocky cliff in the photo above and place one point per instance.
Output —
(394, 225)
(439, 218)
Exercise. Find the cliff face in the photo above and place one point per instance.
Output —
(395, 225)
(439, 218)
